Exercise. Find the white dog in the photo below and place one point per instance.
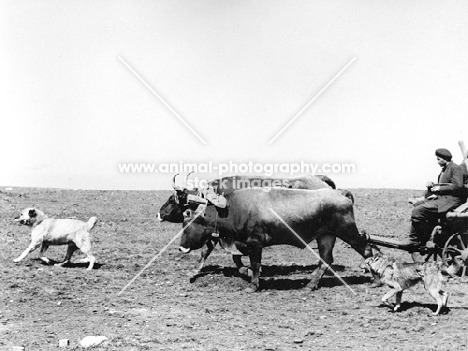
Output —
(50, 231)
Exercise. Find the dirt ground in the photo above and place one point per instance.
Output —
(162, 310)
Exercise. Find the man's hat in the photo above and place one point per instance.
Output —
(444, 153)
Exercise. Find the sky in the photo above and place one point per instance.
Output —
(385, 84)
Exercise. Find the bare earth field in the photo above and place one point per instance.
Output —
(162, 310)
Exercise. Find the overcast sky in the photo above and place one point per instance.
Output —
(236, 72)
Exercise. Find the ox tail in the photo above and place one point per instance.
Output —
(348, 194)
(92, 222)
(358, 241)
(326, 180)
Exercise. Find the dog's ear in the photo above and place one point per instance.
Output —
(32, 213)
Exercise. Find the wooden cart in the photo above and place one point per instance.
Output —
(449, 239)
(448, 242)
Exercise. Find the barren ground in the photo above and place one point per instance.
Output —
(162, 310)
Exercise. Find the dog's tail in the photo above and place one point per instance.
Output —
(92, 221)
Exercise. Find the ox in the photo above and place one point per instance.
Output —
(172, 209)
(246, 224)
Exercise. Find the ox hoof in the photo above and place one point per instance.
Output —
(193, 276)
(45, 260)
(246, 271)
(193, 273)
(388, 304)
(250, 290)
(312, 287)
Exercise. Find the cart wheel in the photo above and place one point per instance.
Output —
(455, 250)
(431, 251)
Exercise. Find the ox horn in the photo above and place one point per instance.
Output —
(173, 182)
(186, 178)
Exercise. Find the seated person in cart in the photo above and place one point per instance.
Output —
(464, 168)
(440, 198)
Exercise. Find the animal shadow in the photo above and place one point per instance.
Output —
(291, 277)
(278, 270)
(331, 282)
(272, 271)
(325, 282)
(214, 270)
(71, 264)
(406, 305)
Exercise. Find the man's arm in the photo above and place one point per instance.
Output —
(455, 182)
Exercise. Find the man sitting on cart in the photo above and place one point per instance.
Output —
(464, 168)
(439, 198)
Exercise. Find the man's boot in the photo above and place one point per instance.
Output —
(413, 241)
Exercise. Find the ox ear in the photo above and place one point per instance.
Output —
(32, 213)
(187, 213)
(194, 199)
(218, 200)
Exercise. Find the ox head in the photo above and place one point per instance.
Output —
(200, 223)
(197, 230)
(171, 211)
(173, 208)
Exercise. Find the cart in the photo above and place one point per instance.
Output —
(448, 241)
